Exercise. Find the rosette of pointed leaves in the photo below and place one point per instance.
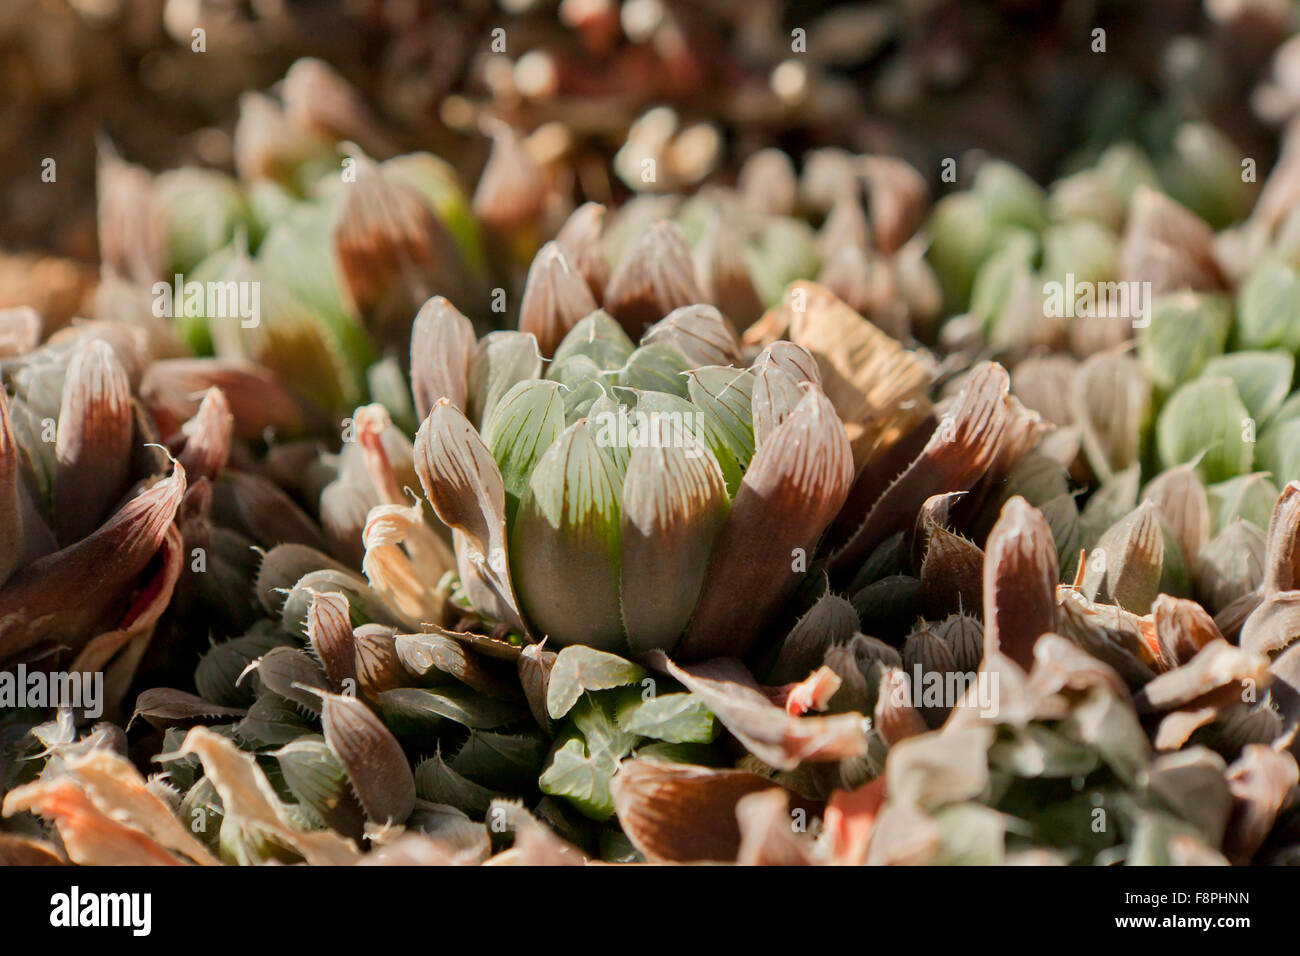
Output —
(88, 505)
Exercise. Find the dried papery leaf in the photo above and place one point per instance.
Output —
(390, 250)
(502, 360)
(166, 707)
(653, 278)
(958, 452)
(895, 717)
(118, 789)
(678, 813)
(814, 692)
(1125, 567)
(207, 437)
(903, 835)
(131, 219)
(404, 558)
(317, 99)
(1282, 558)
(1261, 781)
(1183, 505)
(849, 820)
(869, 286)
(767, 731)
(463, 483)
(776, 394)
(1109, 633)
(556, 296)
(1182, 628)
(933, 770)
(329, 631)
(248, 799)
(767, 836)
(510, 193)
(865, 372)
(897, 196)
(1020, 575)
(1167, 245)
(1219, 674)
(1273, 625)
(1060, 665)
(674, 505)
(951, 574)
(282, 668)
(102, 569)
(1177, 726)
(535, 843)
(830, 621)
(20, 331)
(90, 836)
(442, 348)
(580, 239)
(374, 761)
(92, 447)
(1108, 400)
(172, 390)
(724, 274)
(535, 664)
(794, 486)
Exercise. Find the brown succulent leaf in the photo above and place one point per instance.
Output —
(389, 248)
(379, 667)
(445, 652)
(959, 451)
(172, 388)
(509, 194)
(793, 359)
(130, 219)
(1020, 575)
(1117, 637)
(1167, 245)
(376, 767)
(556, 296)
(287, 671)
(317, 99)
(17, 850)
(724, 275)
(1220, 674)
(580, 239)
(12, 496)
(205, 441)
(776, 393)
(249, 800)
(92, 448)
(1231, 619)
(263, 511)
(463, 483)
(535, 663)
(1043, 384)
(1261, 781)
(329, 632)
(700, 332)
(896, 717)
(1182, 628)
(1125, 566)
(767, 731)
(654, 277)
(101, 569)
(442, 347)
(678, 813)
(167, 707)
(1109, 397)
(795, 484)
(952, 575)
(830, 621)
(897, 197)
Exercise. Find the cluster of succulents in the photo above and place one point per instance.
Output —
(771, 517)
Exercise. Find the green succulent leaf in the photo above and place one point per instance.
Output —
(1263, 379)
(1206, 418)
(678, 718)
(526, 422)
(579, 670)
(1185, 331)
